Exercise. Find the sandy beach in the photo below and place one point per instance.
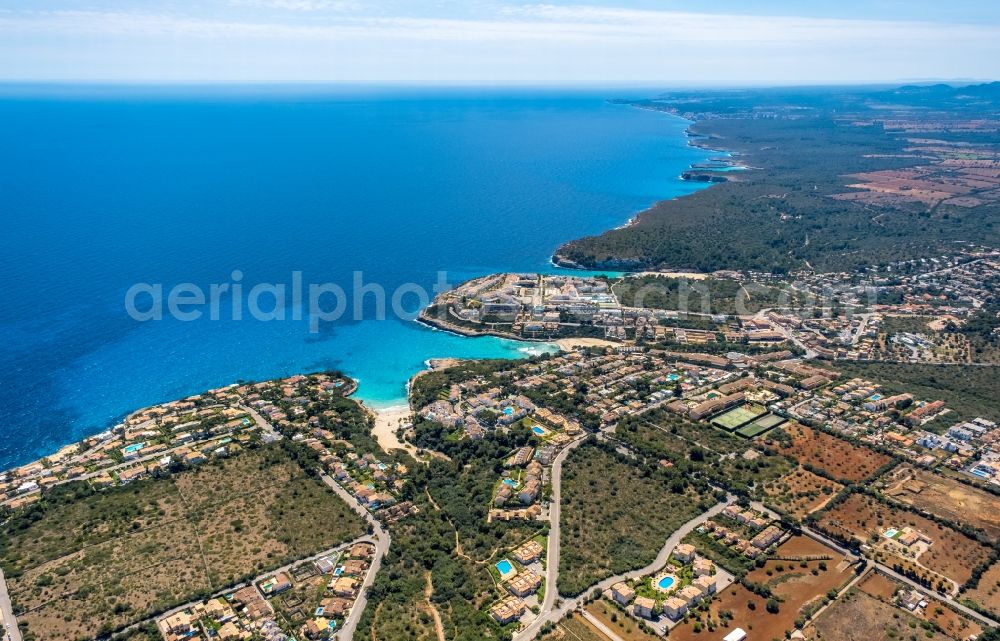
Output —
(688, 275)
(387, 420)
(567, 344)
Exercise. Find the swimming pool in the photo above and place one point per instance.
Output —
(135, 447)
(510, 482)
(890, 533)
(509, 411)
(672, 377)
(665, 582)
(874, 397)
(539, 431)
(505, 568)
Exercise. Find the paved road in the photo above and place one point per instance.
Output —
(261, 422)
(568, 605)
(553, 551)
(886, 570)
(382, 541)
(7, 612)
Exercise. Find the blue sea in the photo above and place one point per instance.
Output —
(106, 187)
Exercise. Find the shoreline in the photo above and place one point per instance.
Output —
(694, 139)
(391, 411)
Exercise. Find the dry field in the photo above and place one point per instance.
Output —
(948, 621)
(987, 593)
(112, 558)
(864, 518)
(802, 584)
(946, 498)
(838, 458)
(574, 628)
(857, 616)
(800, 492)
(756, 620)
(622, 624)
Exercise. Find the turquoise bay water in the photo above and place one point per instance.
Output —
(104, 188)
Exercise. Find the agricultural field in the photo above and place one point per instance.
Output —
(950, 553)
(987, 593)
(800, 492)
(840, 459)
(736, 607)
(94, 562)
(574, 628)
(857, 615)
(617, 514)
(802, 585)
(946, 498)
(947, 620)
(625, 626)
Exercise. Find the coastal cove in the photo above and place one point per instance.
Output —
(105, 188)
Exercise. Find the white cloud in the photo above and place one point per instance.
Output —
(330, 40)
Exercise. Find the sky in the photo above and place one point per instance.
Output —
(672, 43)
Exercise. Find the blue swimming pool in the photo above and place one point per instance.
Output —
(672, 377)
(510, 482)
(135, 447)
(505, 567)
(508, 410)
(665, 582)
(537, 430)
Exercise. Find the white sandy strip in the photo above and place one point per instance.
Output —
(387, 419)
(568, 344)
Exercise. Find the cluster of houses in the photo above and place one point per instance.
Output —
(519, 584)
(676, 597)
(250, 612)
(764, 533)
(477, 411)
(188, 431)
(376, 485)
(527, 487)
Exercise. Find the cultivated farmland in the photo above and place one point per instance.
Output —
(821, 451)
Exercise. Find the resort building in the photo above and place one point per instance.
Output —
(644, 607)
(524, 584)
(703, 567)
(690, 594)
(528, 552)
(674, 608)
(705, 583)
(684, 553)
(622, 593)
(507, 610)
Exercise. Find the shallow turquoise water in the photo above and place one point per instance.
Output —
(107, 188)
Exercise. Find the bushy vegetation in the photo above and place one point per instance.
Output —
(778, 216)
(618, 512)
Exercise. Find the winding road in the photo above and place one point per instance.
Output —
(550, 612)
(382, 541)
